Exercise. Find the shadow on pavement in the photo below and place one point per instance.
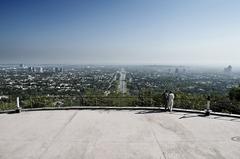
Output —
(192, 116)
(150, 111)
(14, 112)
(185, 116)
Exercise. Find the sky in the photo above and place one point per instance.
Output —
(173, 32)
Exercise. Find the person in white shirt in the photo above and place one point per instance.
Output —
(171, 97)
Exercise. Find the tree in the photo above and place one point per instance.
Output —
(234, 94)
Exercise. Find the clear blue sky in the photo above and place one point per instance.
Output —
(120, 31)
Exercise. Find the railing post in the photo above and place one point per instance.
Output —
(18, 106)
(207, 112)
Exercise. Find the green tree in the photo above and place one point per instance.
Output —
(234, 94)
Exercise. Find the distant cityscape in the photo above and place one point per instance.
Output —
(116, 85)
(106, 80)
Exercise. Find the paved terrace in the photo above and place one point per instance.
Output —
(112, 134)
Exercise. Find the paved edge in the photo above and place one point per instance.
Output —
(117, 108)
(7, 111)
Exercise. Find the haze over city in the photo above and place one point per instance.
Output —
(171, 32)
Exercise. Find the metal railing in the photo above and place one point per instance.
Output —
(56, 101)
(118, 101)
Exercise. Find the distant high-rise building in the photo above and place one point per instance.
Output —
(35, 69)
(184, 70)
(31, 69)
(22, 66)
(57, 69)
(176, 70)
(61, 69)
(39, 70)
(228, 69)
(169, 70)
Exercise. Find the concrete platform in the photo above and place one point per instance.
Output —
(101, 134)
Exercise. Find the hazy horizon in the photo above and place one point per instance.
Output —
(134, 32)
(197, 66)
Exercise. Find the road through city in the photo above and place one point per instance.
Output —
(122, 82)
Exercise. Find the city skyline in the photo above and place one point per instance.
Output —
(120, 32)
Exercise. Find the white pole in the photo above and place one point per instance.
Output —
(208, 106)
(18, 105)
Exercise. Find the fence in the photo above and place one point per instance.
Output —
(44, 101)
(219, 105)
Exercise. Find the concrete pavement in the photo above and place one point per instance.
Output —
(101, 134)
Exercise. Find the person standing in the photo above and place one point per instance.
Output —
(165, 99)
(171, 97)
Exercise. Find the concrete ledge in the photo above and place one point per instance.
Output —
(8, 111)
(93, 108)
(130, 108)
(119, 108)
(226, 114)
